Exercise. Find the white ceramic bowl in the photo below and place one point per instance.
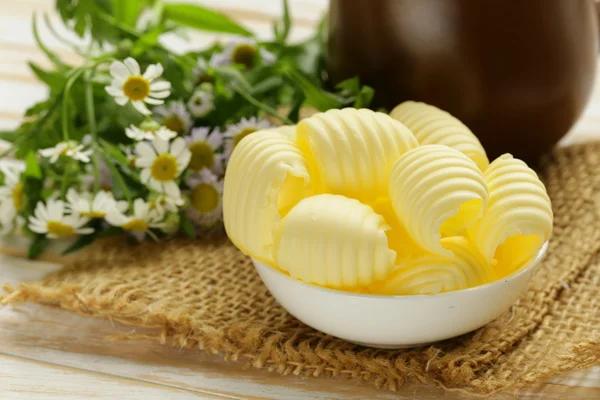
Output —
(396, 321)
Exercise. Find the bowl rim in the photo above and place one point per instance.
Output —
(532, 264)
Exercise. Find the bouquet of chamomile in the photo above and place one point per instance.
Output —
(135, 138)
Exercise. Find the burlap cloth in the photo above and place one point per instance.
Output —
(208, 295)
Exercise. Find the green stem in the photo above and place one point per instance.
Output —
(184, 61)
(59, 37)
(91, 115)
(65, 179)
(262, 106)
(65, 105)
(119, 178)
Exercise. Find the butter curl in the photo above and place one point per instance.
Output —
(431, 125)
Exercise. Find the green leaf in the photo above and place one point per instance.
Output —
(282, 28)
(126, 11)
(55, 80)
(114, 152)
(110, 231)
(315, 96)
(81, 242)
(147, 40)
(267, 85)
(202, 18)
(32, 167)
(364, 97)
(51, 55)
(294, 114)
(9, 136)
(349, 86)
(186, 226)
(37, 246)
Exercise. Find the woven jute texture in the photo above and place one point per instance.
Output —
(207, 295)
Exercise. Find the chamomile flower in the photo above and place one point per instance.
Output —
(129, 85)
(52, 220)
(149, 132)
(203, 145)
(92, 206)
(12, 197)
(12, 226)
(161, 163)
(139, 222)
(206, 203)
(202, 101)
(243, 128)
(201, 72)
(174, 116)
(164, 204)
(69, 148)
(245, 51)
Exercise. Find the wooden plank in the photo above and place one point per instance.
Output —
(23, 379)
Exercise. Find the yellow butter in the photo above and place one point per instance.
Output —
(519, 210)
(333, 241)
(350, 151)
(434, 189)
(428, 274)
(431, 125)
(265, 177)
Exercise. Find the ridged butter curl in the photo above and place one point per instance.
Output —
(465, 267)
(436, 190)
(350, 151)
(265, 177)
(518, 208)
(333, 241)
(431, 125)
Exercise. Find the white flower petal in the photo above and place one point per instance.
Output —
(165, 133)
(161, 146)
(215, 140)
(145, 175)
(153, 71)
(163, 94)
(144, 162)
(121, 100)
(141, 107)
(160, 85)
(132, 65)
(145, 150)
(172, 189)
(183, 160)
(85, 231)
(118, 70)
(177, 147)
(152, 101)
(155, 185)
(113, 91)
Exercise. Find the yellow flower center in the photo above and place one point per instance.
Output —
(174, 123)
(202, 156)
(136, 225)
(242, 134)
(136, 87)
(244, 54)
(17, 196)
(132, 162)
(204, 78)
(164, 168)
(59, 229)
(205, 198)
(93, 214)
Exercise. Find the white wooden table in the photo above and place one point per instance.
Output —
(48, 353)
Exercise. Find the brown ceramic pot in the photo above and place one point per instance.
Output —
(517, 72)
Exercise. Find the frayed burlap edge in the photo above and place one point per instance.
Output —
(467, 372)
